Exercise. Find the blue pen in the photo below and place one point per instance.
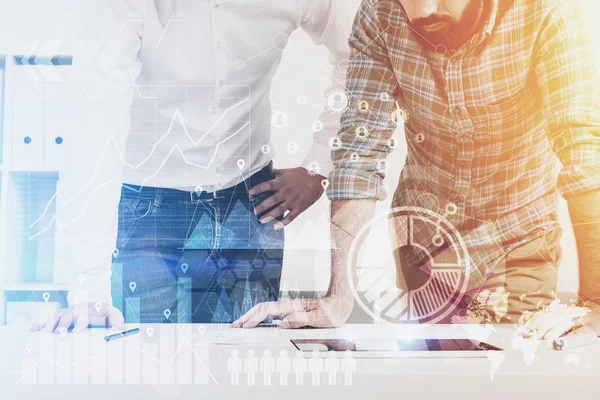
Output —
(119, 335)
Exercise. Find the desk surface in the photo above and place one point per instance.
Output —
(185, 360)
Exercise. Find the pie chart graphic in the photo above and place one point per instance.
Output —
(432, 277)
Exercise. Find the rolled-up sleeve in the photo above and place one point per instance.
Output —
(568, 77)
(366, 126)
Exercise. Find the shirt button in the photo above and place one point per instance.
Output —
(456, 110)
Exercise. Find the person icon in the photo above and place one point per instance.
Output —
(234, 367)
(299, 366)
(292, 147)
(335, 143)
(315, 365)
(348, 367)
(267, 367)
(284, 366)
(332, 367)
(279, 119)
(317, 126)
(251, 367)
(337, 101)
(280, 122)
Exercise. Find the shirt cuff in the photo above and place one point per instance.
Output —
(349, 184)
(577, 179)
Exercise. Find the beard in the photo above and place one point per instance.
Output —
(452, 33)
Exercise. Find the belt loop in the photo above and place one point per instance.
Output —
(158, 197)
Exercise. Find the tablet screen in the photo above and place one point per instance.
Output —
(393, 345)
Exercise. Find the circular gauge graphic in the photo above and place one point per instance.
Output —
(423, 279)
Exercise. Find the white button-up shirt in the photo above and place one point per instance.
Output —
(177, 96)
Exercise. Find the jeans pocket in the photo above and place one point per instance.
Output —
(133, 209)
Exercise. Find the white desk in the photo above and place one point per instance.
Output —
(165, 365)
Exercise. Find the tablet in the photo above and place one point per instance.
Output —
(401, 347)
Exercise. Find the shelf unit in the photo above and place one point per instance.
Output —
(33, 116)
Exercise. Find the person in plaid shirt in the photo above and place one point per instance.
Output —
(490, 91)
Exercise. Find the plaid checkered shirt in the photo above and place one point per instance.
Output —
(483, 125)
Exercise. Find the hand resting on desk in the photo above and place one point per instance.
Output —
(80, 316)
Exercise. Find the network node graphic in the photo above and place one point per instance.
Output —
(337, 101)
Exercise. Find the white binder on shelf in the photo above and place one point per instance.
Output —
(42, 97)
(26, 113)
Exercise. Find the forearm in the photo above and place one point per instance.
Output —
(347, 218)
(585, 216)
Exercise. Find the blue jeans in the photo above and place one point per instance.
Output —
(186, 257)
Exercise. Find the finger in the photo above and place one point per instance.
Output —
(244, 318)
(51, 323)
(539, 324)
(274, 213)
(263, 312)
(557, 330)
(271, 310)
(549, 324)
(268, 186)
(316, 318)
(296, 320)
(287, 220)
(65, 321)
(115, 319)
(268, 203)
(82, 321)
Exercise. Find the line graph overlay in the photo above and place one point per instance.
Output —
(112, 147)
(101, 359)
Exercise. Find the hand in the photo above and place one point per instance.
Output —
(80, 316)
(329, 312)
(294, 190)
(560, 319)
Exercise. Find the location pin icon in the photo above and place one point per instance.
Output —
(80, 278)
(167, 313)
(149, 331)
(325, 184)
(198, 190)
(98, 306)
(241, 163)
(132, 286)
(29, 347)
(202, 329)
(116, 253)
(184, 267)
(46, 296)
(63, 331)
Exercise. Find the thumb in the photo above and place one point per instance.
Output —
(115, 319)
(300, 319)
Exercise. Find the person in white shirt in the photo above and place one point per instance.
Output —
(169, 186)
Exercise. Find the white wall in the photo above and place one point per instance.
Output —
(306, 267)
